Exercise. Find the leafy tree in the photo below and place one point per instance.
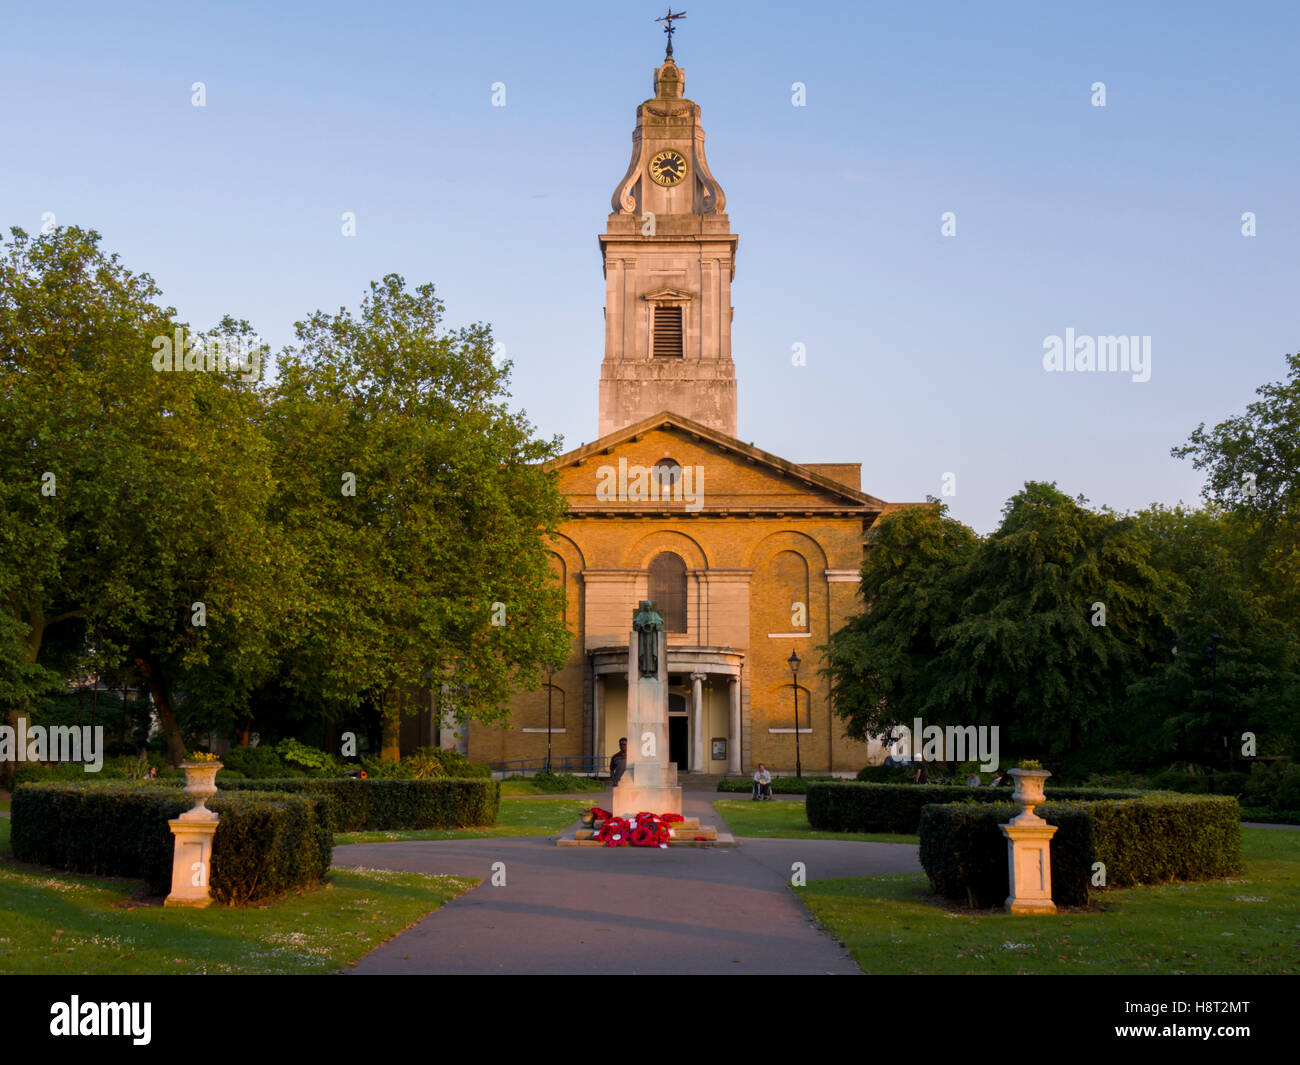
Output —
(129, 494)
(1032, 650)
(882, 662)
(413, 497)
(1254, 459)
(1233, 664)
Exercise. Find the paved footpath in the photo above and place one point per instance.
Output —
(626, 909)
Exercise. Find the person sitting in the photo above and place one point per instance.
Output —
(996, 782)
(973, 781)
(762, 783)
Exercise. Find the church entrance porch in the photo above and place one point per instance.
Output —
(704, 707)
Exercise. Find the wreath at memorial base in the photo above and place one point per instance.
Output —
(641, 830)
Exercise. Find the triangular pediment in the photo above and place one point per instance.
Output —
(668, 295)
(725, 475)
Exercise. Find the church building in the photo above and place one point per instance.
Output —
(752, 560)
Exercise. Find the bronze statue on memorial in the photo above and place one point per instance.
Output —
(647, 623)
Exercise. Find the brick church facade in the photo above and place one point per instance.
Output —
(748, 556)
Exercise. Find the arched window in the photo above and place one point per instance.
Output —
(790, 581)
(559, 578)
(668, 590)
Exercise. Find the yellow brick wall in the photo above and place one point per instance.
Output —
(733, 570)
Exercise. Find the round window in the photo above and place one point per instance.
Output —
(668, 472)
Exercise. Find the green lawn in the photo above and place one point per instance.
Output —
(63, 923)
(787, 820)
(59, 922)
(518, 817)
(1248, 924)
(532, 786)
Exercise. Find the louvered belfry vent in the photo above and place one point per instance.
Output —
(668, 332)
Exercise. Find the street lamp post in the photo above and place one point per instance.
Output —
(550, 673)
(794, 672)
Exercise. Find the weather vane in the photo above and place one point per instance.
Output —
(669, 28)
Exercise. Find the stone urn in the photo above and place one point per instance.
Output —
(1029, 793)
(200, 785)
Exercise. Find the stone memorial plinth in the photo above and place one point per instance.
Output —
(650, 782)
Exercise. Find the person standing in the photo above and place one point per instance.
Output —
(618, 764)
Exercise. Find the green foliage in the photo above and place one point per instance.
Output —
(1148, 840)
(964, 852)
(1026, 653)
(882, 664)
(298, 754)
(448, 515)
(376, 804)
(118, 552)
(1273, 785)
(852, 807)
(1237, 666)
(1007, 631)
(1254, 460)
(1224, 783)
(1159, 838)
(254, 763)
(427, 762)
(378, 769)
(35, 772)
(558, 783)
(885, 774)
(265, 844)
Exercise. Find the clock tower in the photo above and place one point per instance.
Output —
(669, 258)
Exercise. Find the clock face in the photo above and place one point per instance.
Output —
(668, 167)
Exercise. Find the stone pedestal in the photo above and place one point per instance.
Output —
(1029, 861)
(650, 782)
(192, 861)
(192, 833)
(1029, 852)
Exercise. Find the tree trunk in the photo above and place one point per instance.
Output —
(391, 745)
(15, 712)
(152, 674)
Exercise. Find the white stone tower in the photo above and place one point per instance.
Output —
(669, 258)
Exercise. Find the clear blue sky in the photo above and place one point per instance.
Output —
(924, 353)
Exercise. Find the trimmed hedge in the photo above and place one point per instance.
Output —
(964, 852)
(780, 785)
(1224, 783)
(1159, 838)
(1149, 840)
(1267, 815)
(266, 843)
(854, 807)
(360, 805)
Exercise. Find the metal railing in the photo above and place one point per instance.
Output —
(579, 765)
